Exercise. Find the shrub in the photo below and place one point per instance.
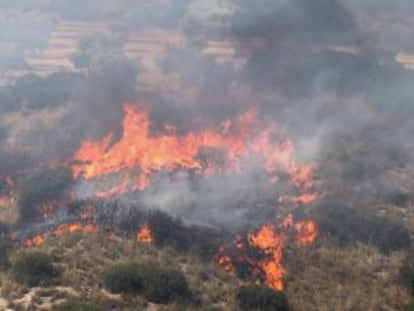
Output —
(261, 298)
(203, 242)
(34, 269)
(167, 230)
(350, 225)
(75, 305)
(158, 285)
(4, 252)
(408, 307)
(123, 278)
(407, 276)
(41, 186)
(164, 285)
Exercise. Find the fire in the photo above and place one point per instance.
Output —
(307, 232)
(135, 158)
(141, 154)
(145, 235)
(35, 241)
(70, 228)
(271, 243)
(257, 257)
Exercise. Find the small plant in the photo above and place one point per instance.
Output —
(261, 298)
(34, 269)
(123, 278)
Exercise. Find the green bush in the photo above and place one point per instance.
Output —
(351, 225)
(34, 269)
(5, 247)
(164, 285)
(75, 305)
(123, 278)
(158, 285)
(203, 242)
(261, 298)
(407, 276)
(408, 307)
(168, 231)
(39, 187)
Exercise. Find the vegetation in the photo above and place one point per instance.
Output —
(158, 285)
(408, 307)
(125, 278)
(33, 269)
(5, 247)
(407, 276)
(261, 298)
(172, 232)
(349, 225)
(42, 186)
(163, 285)
(75, 305)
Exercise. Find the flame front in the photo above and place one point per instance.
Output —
(139, 151)
(70, 228)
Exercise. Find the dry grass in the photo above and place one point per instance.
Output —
(83, 259)
(352, 278)
(323, 277)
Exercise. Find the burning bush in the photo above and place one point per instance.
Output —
(350, 225)
(261, 298)
(123, 278)
(40, 187)
(34, 269)
(164, 285)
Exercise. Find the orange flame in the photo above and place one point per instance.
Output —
(268, 240)
(145, 235)
(70, 228)
(261, 252)
(35, 241)
(139, 150)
